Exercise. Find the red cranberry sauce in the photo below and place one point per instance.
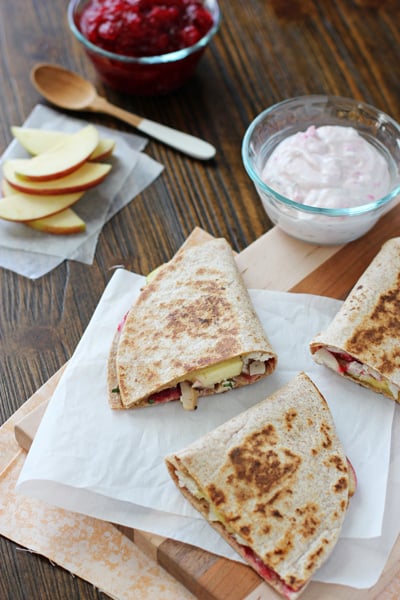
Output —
(144, 27)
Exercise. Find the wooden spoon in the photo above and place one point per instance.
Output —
(68, 90)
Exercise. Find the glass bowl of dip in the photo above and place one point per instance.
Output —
(147, 47)
(326, 168)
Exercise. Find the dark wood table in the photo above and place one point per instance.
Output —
(265, 51)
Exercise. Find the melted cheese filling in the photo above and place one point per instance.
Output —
(216, 378)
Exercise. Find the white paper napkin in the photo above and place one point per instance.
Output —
(109, 464)
(32, 253)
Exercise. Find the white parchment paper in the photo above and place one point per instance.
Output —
(109, 464)
(33, 253)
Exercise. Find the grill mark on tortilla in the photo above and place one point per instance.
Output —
(336, 461)
(327, 440)
(308, 519)
(281, 550)
(279, 495)
(261, 467)
(380, 325)
(340, 485)
(216, 495)
(198, 314)
(315, 555)
(290, 416)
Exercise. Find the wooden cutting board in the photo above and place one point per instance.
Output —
(278, 262)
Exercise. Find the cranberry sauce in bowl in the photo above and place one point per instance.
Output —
(144, 46)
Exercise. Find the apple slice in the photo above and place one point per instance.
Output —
(104, 148)
(87, 176)
(7, 189)
(37, 141)
(62, 159)
(62, 223)
(26, 207)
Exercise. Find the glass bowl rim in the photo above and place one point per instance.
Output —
(330, 212)
(146, 60)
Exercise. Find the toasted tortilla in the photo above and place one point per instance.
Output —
(114, 397)
(194, 313)
(362, 342)
(274, 481)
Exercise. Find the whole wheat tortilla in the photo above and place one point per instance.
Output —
(114, 397)
(195, 312)
(367, 325)
(279, 476)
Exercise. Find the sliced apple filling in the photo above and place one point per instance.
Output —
(217, 378)
(347, 365)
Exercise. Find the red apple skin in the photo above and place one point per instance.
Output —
(66, 222)
(59, 224)
(352, 479)
(64, 158)
(37, 141)
(20, 208)
(97, 154)
(52, 177)
(78, 181)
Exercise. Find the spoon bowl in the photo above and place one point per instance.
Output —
(63, 88)
(70, 91)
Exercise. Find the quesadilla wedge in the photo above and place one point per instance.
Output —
(362, 342)
(274, 482)
(192, 332)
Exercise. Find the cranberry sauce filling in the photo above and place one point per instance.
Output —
(145, 27)
(267, 573)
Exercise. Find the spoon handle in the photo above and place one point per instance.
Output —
(184, 142)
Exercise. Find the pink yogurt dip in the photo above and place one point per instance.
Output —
(328, 167)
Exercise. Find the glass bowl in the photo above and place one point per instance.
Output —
(324, 226)
(147, 75)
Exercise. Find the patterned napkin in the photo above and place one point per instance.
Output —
(91, 549)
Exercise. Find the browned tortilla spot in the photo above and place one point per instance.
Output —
(313, 557)
(278, 495)
(325, 430)
(290, 416)
(266, 529)
(260, 508)
(341, 484)
(245, 531)
(281, 550)
(262, 469)
(308, 519)
(337, 462)
(216, 495)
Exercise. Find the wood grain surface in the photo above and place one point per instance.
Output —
(265, 51)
